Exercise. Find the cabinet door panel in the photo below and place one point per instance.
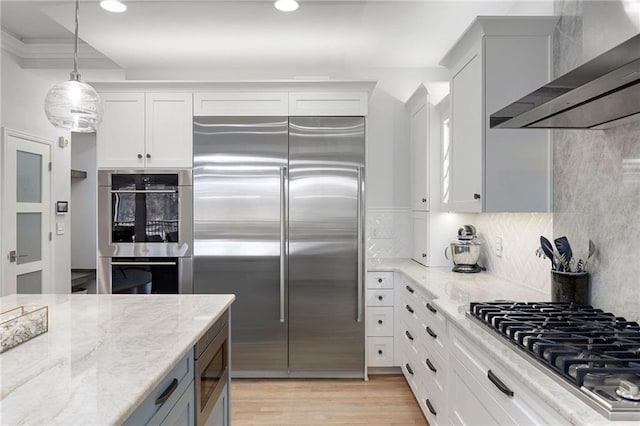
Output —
(169, 130)
(467, 153)
(120, 137)
(420, 157)
(420, 231)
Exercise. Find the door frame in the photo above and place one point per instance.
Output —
(5, 133)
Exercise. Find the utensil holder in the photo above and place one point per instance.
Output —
(570, 287)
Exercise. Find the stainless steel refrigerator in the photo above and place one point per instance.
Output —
(278, 221)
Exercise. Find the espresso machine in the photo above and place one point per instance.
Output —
(465, 251)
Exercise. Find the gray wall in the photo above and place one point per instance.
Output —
(596, 172)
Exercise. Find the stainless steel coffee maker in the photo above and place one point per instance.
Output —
(465, 251)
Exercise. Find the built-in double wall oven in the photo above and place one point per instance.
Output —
(145, 231)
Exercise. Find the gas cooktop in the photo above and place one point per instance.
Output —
(595, 353)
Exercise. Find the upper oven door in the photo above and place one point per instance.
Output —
(145, 213)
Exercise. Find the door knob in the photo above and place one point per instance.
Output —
(13, 256)
(139, 155)
(424, 254)
(424, 200)
(148, 155)
(476, 196)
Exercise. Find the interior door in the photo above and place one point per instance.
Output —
(240, 171)
(326, 329)
(26, 216)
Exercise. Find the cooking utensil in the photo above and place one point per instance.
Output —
(540, 253)
(592, 251)
(565, 252)
(547, 249)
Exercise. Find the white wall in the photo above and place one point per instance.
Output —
(23, 92)
(83, 202)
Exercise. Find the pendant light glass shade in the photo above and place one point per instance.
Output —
(74, 105)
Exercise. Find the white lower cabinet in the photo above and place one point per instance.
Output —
(380, 319)
(482, 393)
(421, 339)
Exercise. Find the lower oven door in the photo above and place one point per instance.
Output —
(145, 275)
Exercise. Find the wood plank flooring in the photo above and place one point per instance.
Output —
(383, 400)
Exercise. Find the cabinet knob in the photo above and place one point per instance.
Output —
(424, 254)
(139, 155)
(424, 200)
(476, 196)
(379, 321)
(379, 351)
(379, 280)
(148, 155)
(380, 297)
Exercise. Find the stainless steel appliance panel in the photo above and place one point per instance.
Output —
(107, 247)
(240, 172)
(326, 331)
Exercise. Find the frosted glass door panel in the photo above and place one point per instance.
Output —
(30, 283)
(29, 241)
(29, 177)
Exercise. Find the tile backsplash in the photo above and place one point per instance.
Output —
(388, 232)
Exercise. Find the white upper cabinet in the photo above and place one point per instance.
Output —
(146, 130)
(224, 104)
(169, 130)
(418, 106)
(498, 60)
(120, 136)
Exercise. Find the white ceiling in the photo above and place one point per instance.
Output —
(253, 34)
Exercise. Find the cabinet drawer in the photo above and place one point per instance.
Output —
(410, 290)
(183, 413)
(149, 409)
(409, 338)
(380, 298)
(435, 370)
(432, 316)
(408, 367)
(380, 351)
(380, 280)
(432, 408)
(380, 321)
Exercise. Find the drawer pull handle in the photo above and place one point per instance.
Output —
(409, 308)
(380, 298)
(409, 289)
(379, 351)
(380, 280)
(167, 392)
(430, 407)
(409, 336)
(431, 333)
(430, 365)
(432, 309)
(409, 369)
(501, 386)
(379, 321)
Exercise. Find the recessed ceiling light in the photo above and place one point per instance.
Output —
(286, 5)
(113, 6)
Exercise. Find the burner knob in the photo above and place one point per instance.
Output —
(628, 390)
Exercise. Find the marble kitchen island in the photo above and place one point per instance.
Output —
(102, 356)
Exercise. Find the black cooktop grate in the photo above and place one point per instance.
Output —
(578, 342)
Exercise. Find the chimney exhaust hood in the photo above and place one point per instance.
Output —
(599, 94)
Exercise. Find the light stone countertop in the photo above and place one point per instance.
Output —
(453, 292)
(102, 355)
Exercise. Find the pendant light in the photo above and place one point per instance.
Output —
(74, 105)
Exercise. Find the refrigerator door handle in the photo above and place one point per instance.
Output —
(360, 282)
(283, 237)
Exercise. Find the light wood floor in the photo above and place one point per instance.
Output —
(383, 400)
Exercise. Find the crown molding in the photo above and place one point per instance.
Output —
(57, 54)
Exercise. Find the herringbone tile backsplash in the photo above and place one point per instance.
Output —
(520, 233)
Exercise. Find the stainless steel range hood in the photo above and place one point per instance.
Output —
(599, 94)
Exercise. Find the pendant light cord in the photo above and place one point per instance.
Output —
(75, 76)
